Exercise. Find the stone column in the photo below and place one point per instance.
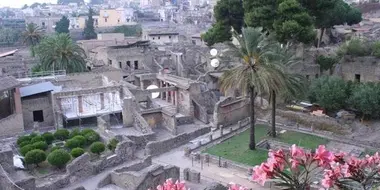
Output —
(101, 100)
(141, 84)
(160, 83)
(80, 104)
(127, 112)
(167, 94)
(176, 97)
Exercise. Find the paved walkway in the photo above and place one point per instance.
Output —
(209, 173)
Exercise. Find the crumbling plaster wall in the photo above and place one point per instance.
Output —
(169, 122)
(230, 110)
(154, 119)
(34, 103)
(367, 67)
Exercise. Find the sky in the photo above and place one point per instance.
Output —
(20, 3)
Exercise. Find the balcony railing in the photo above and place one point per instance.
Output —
(40, 74)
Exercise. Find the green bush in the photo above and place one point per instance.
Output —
(25, 149)
(364, 98)
(92, 137)
(80, 139)
(376, 49)
(62, 134)
(129, 30)
(37, 139)
(24, 143)
(49, 137)
(355, 47)
(35, 157)
(72, 143)
(326, 63)
(112, 144)
(86, 131)
(42, 145)
(76, 152)
(74, 132)
(23, 139)
(34, 134)
(59, 158)
(97, 147)
(329, 92)
(55, 148)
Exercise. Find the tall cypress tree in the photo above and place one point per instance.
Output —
(89, 30)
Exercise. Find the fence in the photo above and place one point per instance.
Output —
(21, 75)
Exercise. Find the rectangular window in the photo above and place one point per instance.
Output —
(109, 62)
(170, 37)
(120, 64)
(118, 20)
(316, 76)
(105, 20)
(38, 116)
(307, 77)
(159, 37)
(128, 63)
(193, 41)
(357, 78)
(136, 64)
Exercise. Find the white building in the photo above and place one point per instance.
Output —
(161, 37)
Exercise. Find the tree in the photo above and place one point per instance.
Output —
(328, 13)
(218, 33)
(329, 92)
(59, 158)
(112, 144)
(42, 145)
(76, 152)
(89, 30)
(92, 137)
(364, 97)
(72, 143)
(9, 36)
(228, 14)
(62, 26)
(129, 30)
(35, 157)
(59, 52)
(97, 148)
(293, 23)
(260, 13)
(32, 36)
(49, 137)
(255, 75)
(24, 7)
(25, 149)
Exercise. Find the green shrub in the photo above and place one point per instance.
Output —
(74, 132)
(62, 134)
(37, 139)
(72, 143)
(97, 147)
(49, 137)
(35, 157)
(25, 149)
(112, 144)
(59, 158)
(24, 143)
(92, 137)
(42, 145)
(34, 134)
(80, 139)
(86, 131)
(76, 152)
(23, 139)
(55, 148)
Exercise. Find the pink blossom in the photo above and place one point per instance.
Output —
(169, 185)
(259, 174)
(297, 152)
(233, 186)
(323, 156)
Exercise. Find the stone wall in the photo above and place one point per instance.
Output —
(80, 168)
(230, 110)
(169, 122)
(185, 105)
(154, 119)
(158, 147)
(11, 125)
(35, 103)
(367, 68)
(184, 120)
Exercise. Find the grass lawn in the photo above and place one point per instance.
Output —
(236, 148)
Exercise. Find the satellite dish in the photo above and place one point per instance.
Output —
(154, 94)
(214, 52)
(214, 63)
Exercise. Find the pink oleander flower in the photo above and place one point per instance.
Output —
(297, 152)
(169, 185)
(233, 186)
(260, 175)
(323, 156)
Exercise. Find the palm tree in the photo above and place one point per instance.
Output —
(59, 52)
(257, 73)
(32, 36)
(294, 85)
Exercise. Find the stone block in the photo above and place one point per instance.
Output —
(186, 172)
(194, 176)
(105, 181)
(215, 186)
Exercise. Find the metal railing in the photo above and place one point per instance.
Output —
(21, 75)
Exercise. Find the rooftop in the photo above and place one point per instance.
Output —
(7, 83)
(36, 89)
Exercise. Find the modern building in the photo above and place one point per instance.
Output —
(47, 23)
(115, 17)
(161, 36)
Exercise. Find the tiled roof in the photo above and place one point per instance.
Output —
(7, 83)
